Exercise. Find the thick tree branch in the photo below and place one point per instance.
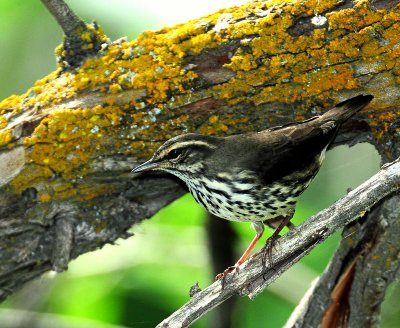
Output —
(252, 279)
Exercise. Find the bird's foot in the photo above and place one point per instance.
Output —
(222, 276)
(267, 251)
(227, 271)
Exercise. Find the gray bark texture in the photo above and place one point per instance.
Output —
(369, 262)
(68, 144)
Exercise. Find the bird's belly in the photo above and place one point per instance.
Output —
(246, 205)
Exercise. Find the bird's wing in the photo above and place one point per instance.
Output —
(296, 146)
(280, 151)
(287, 150)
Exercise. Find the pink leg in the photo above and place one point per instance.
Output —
(259, 228)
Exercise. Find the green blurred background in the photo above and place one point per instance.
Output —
(140, 281)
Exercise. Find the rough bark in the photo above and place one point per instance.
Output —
(369, 261)
(67, 145)
(80, 40)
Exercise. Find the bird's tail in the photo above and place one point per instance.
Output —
(344, 110)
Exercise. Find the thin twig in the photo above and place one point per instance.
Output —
(289, 249)
(81, 40)
(66, 18)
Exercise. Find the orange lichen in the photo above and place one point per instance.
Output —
(350, 241)
(354, 18)
(44, 197)
(272, 64)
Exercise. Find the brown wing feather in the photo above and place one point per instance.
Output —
(282, 151)
(298, 149)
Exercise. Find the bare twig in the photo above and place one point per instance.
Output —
(81, 40)
(369, 261)
(64, 16)
(252, 279)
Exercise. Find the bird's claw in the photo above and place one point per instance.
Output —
(222, 276)
(267, 252)
(227, 271)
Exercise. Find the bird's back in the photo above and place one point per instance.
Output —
(280, 151)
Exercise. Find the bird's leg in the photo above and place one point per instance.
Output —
(267, 250)
(275, 222)
(259, 228)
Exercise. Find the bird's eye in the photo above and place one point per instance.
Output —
(174, 153)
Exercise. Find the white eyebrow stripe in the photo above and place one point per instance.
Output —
(185, 144)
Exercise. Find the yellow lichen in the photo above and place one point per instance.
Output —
(271, 65)
(86, 36)
(5, 137)
(32, 174)
(213, 119)
(3, 122)
(92, 190)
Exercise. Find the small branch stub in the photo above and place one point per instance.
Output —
(63, 244)
(194, 289)
(81, 40)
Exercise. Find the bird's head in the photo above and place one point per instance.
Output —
(182, 156)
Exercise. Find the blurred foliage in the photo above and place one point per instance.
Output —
(140, 281)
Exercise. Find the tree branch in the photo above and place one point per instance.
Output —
(252, 278)
(65, 17)
(369, 262)
(81, 40)
(67, 145)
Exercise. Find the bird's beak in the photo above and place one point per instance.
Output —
(146, 166)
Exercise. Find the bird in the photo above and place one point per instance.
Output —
(253, 177)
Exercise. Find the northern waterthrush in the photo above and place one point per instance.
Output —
(253, 177)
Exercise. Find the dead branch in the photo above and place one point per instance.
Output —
(253, 278)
